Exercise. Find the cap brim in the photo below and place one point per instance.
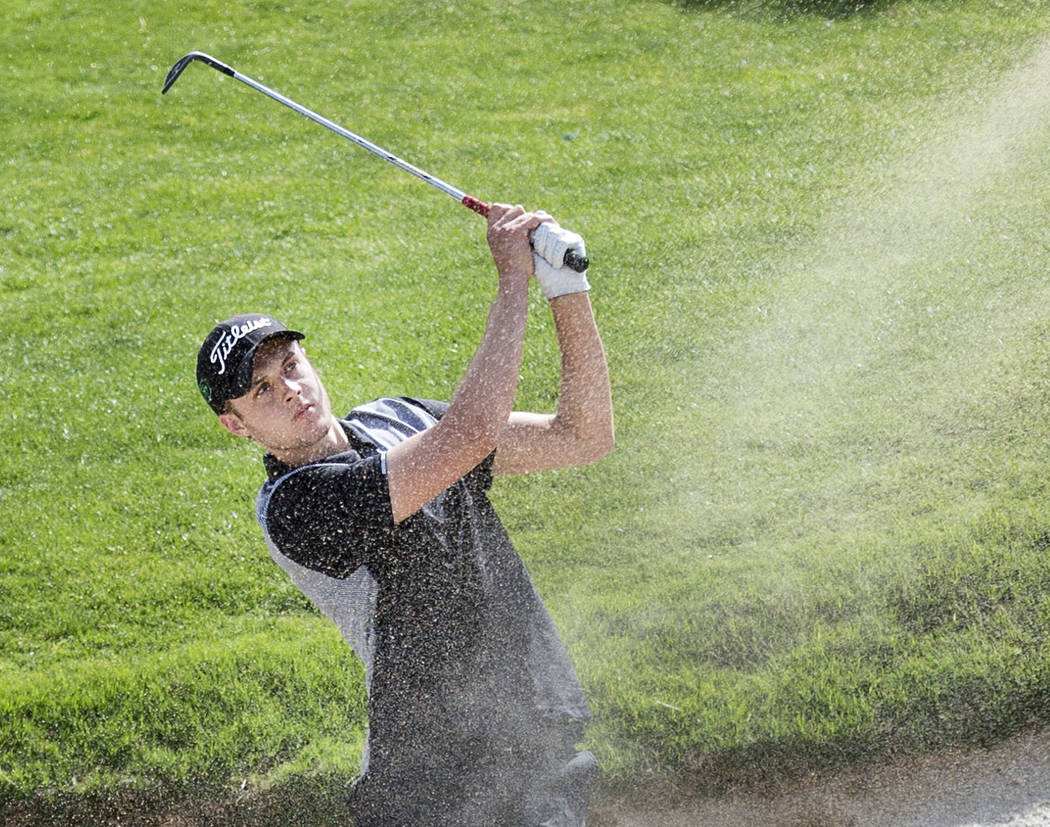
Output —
(243, 378)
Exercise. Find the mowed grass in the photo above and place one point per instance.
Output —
(820, 271)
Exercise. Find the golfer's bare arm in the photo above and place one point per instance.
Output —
(422, 466)
(582, 429)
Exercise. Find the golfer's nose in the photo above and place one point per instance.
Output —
(292, 388)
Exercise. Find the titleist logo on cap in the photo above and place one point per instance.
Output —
(229, 339)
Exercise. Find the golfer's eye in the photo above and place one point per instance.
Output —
(263, 388)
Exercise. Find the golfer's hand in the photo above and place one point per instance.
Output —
(550, 243)
(508, 237)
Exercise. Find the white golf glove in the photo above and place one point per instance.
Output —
(549, 245)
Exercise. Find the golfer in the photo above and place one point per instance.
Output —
(382, 520)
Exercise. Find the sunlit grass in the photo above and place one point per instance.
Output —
(820, 276)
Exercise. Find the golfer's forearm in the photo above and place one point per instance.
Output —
(483, 400)
(584, 397)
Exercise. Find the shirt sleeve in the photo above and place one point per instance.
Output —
(332, 517)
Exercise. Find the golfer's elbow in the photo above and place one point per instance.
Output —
(595, 443)
(605, 444)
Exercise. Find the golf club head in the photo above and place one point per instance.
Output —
(186, 60)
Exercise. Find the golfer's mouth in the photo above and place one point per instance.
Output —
(305, 409)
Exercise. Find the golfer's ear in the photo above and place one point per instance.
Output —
(232, 423)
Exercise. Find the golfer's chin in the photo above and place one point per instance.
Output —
(309, 428)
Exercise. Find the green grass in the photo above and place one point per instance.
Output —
(819, 267)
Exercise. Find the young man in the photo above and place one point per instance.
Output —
(382, 520)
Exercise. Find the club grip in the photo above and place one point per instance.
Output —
(472, 203)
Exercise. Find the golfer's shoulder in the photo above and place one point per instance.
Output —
(322, 483)
(329, 516)
(416, 412)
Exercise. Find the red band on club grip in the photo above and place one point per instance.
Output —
(480, 207)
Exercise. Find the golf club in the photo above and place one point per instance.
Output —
(573, 259)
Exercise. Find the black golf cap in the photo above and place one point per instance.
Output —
(225, 360)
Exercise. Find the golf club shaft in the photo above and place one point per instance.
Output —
(572, 259)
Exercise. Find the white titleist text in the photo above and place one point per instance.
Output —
(228, 341)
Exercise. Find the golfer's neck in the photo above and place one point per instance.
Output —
(333, 442)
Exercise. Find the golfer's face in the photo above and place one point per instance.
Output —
(287, 407)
